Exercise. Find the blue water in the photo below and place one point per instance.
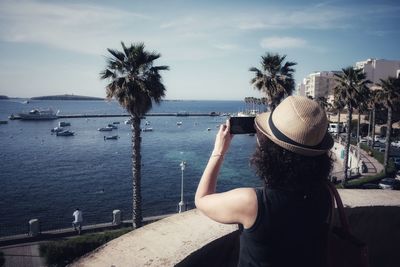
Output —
(46, 177)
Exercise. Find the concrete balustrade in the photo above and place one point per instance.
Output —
(34, 227)
(117, 217)
(191, 239)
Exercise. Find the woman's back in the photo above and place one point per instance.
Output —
(290, 229)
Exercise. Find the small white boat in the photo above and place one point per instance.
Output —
(179, 123)
(105, 129)
(57, 129)
(112, 126)
(208, 129)
(147, 129)
(113, 137)
(63, 124)
(128, 122)
(65, 133)
(147, 123)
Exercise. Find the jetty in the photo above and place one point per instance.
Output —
(165, 114)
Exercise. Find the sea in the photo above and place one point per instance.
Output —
(46, 177)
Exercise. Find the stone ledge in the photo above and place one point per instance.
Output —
(163, 243)
(183, 239)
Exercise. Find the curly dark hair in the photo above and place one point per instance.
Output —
(281, 168)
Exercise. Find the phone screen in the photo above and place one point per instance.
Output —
(242, 125)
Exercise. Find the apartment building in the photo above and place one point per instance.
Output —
(318, 84)
(321, 83)
(376, 69)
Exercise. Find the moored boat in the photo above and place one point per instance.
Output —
(63, 124)
(65, 133)
(113, 137)
(38, 114)
(147, 129)
(112, 126)
(57, 129)
(105, 129)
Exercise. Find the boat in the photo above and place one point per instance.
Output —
(128, 122)
(179, 123)
(105, 129)
(147, 129)
(38, 114)
(147, 123)
(65, 133)
(112, 126)
(113, 137)
(63, 124)
(116, 122)
(248, 113)
(3, 122)
(57, 129)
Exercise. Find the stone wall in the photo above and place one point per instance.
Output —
(191, 239)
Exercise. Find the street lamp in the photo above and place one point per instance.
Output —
(181, 203)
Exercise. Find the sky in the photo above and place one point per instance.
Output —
(60, 47)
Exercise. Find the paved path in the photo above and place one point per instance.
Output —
(373, 166)
(23, 255)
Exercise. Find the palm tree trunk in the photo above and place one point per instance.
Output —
(338, 125)
(369, 127)
(136, 172)
(388, 134)
(347, 150)
(358, 126)
(373, 128)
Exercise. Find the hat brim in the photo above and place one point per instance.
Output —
(261, 123)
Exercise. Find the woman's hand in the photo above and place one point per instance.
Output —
(223, 139)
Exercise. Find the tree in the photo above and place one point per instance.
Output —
(389, 95)
(275, 78)
(351, 84)
(135, 83)
(373, 104)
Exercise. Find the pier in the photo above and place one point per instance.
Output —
(162, 114)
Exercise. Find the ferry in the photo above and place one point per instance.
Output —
(38, 114)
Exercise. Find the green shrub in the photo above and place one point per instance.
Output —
(2, 260)
(63, 252)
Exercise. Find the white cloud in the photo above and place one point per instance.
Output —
(225, 46)
(282, 42)
(77, 27)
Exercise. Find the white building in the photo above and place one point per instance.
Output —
(301, 89)
(319, 84)
(376, 69)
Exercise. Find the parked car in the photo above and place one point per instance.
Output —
(370, 186)
(396, 161)
(395, 143)
(389, 183)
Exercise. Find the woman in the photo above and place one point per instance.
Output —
(283, 224)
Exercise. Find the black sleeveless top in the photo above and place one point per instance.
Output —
(290, 229)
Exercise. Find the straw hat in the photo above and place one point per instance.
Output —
(297, 124)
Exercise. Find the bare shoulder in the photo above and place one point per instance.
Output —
(248, 205)
(246, 194)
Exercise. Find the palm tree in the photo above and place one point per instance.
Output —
(389, 95)
(323, 102)
(373, 105)
(351, 84)
(275, 78)
(135, 83)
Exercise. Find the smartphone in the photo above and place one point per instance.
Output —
(242, 125)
